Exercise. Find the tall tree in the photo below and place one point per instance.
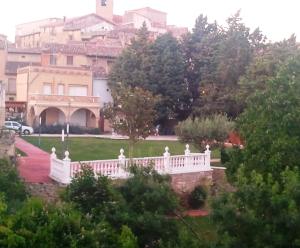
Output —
(200, 49)
(216, 58)
(265, 66)
(166, 78)
(132, 66)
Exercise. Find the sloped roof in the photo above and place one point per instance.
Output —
(11, 67)
(84, 21)
(74, 48)
(99, 48)
(12, 49)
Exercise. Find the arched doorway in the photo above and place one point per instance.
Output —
(83, 118)
(52, 116)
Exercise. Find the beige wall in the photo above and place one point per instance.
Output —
(21, 86)
(37, 76)
(105, 11)
(2, 64)
(153, 15)
(48, 35)
(24, 57)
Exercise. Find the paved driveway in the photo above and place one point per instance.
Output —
(34, 168)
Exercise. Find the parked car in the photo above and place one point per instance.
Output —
(16, 126)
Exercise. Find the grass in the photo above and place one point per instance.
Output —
(204, 228)
(84, 149)
(23, 154)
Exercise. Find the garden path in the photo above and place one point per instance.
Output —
(35, 167)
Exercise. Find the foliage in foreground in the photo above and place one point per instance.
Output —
(143, 203)
(96, 213)
(202, 131)
(264, 210)
(11, 187)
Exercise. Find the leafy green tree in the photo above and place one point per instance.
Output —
(269, 125)
(157, 67)
(264, 210)
(127, 239)
(88, 191)
(149, 200)
(200, 132)
(11, 186)
(216, 57)
(166, 78)
(200, 51)
(132, 113)
(132, 66)
(265, 66)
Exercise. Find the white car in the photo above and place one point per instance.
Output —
(16, 126)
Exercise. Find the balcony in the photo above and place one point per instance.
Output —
(59, 100)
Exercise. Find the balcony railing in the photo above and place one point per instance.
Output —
(67, 99)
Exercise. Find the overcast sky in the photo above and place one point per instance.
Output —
(278, 19)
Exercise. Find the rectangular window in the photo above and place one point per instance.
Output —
(60, 90)
(103, 2)
(53, 59)
(11, 89)
(47, 89)
(77, 90)
(69, 60)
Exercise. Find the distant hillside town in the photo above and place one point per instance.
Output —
(56, 71)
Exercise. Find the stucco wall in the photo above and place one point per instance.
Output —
(2, 64)
(37, 78)
(23, 57)
(21, 87)
(105, 11)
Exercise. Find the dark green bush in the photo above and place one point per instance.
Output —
(11, 185)
(56, 129)
(197, 197)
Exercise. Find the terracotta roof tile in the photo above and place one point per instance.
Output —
(11, 49)
(103, 48)
(84, 21)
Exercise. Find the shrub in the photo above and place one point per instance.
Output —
(11, 185)
(202, 131)
(56, 129)
(197, 197)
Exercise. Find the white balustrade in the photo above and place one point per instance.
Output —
(64, 170)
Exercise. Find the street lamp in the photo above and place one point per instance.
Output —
(40, 122)
(68, 131)
(63, 141)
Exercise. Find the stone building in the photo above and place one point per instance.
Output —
(58, 67)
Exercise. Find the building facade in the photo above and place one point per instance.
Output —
(58, 67)
(57, 95)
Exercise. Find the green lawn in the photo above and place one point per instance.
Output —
(18, 151)
(84, 149)
(203, 226)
